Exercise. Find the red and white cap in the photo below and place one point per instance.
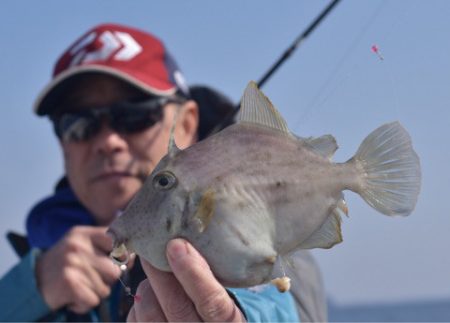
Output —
(129, 54)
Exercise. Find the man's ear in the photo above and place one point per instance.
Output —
(63, 147)
(187, 124)
(65, 153)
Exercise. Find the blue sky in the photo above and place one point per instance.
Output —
(332, 84)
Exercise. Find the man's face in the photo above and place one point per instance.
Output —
(106, 170)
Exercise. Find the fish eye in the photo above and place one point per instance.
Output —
(164, 181)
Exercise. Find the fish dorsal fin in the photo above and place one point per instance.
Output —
(257, 108)
(327, 236)
(173, 149)
(325, 145)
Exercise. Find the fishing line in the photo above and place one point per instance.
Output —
(390, 85)
(394, 91)
(399, 20)
(126, 288)
(319, 100)
(282, 267)
(315, 104)
(117, 258)
(287, 53)
(391, 77)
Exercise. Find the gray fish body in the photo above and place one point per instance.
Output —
(252, 193)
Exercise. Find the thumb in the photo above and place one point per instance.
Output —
(181, 254)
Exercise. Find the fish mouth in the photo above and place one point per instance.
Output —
(120, 255)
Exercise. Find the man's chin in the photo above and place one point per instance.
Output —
(112, 195)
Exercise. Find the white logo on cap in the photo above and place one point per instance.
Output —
(110, 44)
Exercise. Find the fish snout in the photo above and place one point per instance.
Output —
(119, 254)
(113, 233)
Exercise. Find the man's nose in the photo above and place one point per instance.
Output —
(108, 140)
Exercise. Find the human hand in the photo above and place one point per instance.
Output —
(77, 271)
(191, 293)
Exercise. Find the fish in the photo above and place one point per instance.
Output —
(255, 192)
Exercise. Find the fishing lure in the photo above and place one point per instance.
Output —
(376, 50)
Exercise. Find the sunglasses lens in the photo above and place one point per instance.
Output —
(75, 127)
(125, 117)
(133, 119)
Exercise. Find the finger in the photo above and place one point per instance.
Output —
(147, 309)
(109, 271)
(174, 302)
(99, 258)
(101, 240)
(97, 236)
(92, 278)
(192, 271)
(83, 299)
(131, 317)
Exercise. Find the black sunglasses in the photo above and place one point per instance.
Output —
(124, 117)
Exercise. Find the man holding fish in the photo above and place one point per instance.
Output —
(112, 101)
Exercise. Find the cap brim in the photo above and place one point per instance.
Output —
(47, 100)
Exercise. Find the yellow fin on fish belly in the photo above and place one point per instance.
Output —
(327, 236)
(205, 209)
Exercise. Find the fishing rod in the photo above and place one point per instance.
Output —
(288, 52)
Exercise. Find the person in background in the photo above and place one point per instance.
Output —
(112, 101)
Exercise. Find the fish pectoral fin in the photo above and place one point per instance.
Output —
(256, 108)
(327, 236)
(325, 145)
(205, 209)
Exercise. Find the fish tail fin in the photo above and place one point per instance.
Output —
(390, 170)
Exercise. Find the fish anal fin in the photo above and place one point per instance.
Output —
(328, 235)
(325, 145)
(256, 108)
